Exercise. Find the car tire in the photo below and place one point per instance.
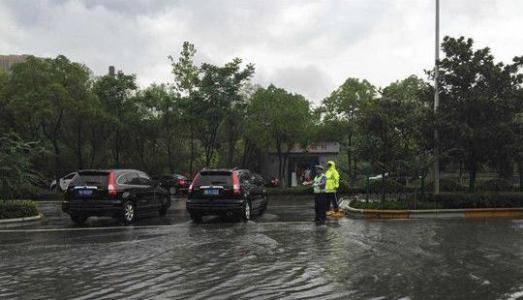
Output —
(78, 219)
(246, 213)
(196, 218)
(128, 212)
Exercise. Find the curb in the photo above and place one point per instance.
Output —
(467, 213)
(20, 220)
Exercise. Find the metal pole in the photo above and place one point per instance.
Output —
(436, 104)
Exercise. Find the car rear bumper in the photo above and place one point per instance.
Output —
(214, 207)
(92, 207)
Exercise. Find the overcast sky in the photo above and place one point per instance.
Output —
(309, 47)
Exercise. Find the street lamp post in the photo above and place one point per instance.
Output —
(436, 104)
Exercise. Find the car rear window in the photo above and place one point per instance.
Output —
(96, 178)
(214, 178)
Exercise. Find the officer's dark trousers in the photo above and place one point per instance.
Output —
(332, 198)
(320, 207)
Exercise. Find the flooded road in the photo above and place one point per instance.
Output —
(281, 255)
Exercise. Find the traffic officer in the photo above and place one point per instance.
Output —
(331, 187)
(320, 201)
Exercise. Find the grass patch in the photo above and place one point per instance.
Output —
(17, 209)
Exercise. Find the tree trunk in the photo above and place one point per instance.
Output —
(117, 148)
(506, 168)
(349, 157)
(191, 160)
(383, 187)
(231, 144)
(246, 152)
(472, 177)
(169, 153)
(461, 172)
(93, 153)
(57, 162)
(354, 167)
(280, 164)
(79, 145)
(210, 146)
(520, 169)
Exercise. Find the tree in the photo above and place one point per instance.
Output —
(186, 81)
(41, 94)
(219, 93)
(477, 109)
(114, 93)
(278, 119)
(341, 110)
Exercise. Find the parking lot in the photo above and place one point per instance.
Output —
(280, 255)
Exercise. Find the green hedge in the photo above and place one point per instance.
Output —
(17, 209)
(450, 200)
(447, 185)
(299, 190)
(397, 205)
(496, 185)
(480, 200)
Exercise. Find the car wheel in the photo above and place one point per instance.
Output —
(78, 219)
(128, 212)
(172, 191)
(246, 214)
(196, 218)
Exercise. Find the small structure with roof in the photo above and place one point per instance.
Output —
(299, 162)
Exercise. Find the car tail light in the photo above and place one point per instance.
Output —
(191, 187)
(235, 183)
(111, 186)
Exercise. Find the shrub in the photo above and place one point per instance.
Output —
(17, 209)
(496, 185)
(390, 186)
(299, 190)
(344, 187)
(450, 200)
(17, 177)
(446, 185)
(480, 200)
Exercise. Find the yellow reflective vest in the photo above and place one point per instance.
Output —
(333, 178)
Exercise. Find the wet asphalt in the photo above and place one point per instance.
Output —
(281, 255)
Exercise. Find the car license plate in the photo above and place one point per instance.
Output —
(85, 193)
(211, 192)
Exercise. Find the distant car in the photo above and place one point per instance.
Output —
(271, 182)
(226, 192)
(122, 194)
(175, 183)
(63, 183)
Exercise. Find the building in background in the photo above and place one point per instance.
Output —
(7, 61)
(299, 160)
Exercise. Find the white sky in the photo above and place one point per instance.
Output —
(308, 47)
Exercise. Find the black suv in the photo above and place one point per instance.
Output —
(226, 192)
(122, 194)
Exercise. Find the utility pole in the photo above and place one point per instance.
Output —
(436, 104)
